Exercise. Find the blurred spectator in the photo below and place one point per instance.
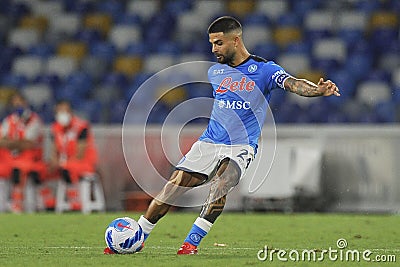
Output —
(74, 153)
(21, 150)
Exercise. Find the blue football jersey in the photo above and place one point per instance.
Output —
(241, 96)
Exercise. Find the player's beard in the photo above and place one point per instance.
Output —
(225, 59)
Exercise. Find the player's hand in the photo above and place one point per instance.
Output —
(328, 87)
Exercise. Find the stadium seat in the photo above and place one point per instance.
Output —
(144, 8)
(98, 21)
(61, 66)
(128, 19)
(115, 79)
(373, 92)
(312, 75)
(177, 7)
(168, 47)
(94, 66)
(384, 19)
(294, 63)
(118, 109)
(350, 36)
(240, 7)
(330, 49)
(359, 65)
(122, 35)
(42, 50)
(318, 110)
(90, 110)
(273, 9)
(70, 93)
(286, 35)
(45, 8)
(327, 65)
(107, 94)
(38, 23)
(28, 66)
(354, 20)
(75, 50)
(103, 50)
(156, 62)
(136, 49)
(319, 20)
(138, 80)
(268, 50)
(38, 94)
(88, 36)
(66, 23)
(128, 65)
(256, 34)
(17, 9)
(367, 6)
(5, 26)
(386, 111)
(347, 85)
(80, 7)
(13, 80)
(291, 19)
(389, 61)
(81, 82)
(256, 18)
(191, 22)
(112, 7)
(23, 38)
(51, 80)
(396, 77)
(208, 9)
(383, 38)
(302, 47)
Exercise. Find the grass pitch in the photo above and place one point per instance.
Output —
(78, 240)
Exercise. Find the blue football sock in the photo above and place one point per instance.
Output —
(195, 235)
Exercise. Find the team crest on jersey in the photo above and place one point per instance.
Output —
(252, 68)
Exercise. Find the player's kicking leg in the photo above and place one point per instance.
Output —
(179, 183)
(227, 176)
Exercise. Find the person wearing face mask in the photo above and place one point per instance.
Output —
(74, 153)
(21, 141)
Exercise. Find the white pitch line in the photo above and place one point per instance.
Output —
(206, 248)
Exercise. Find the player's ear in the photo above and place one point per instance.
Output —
(236, 40)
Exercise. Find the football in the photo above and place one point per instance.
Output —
(124, 235)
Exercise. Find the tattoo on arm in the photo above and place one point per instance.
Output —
(302, 87)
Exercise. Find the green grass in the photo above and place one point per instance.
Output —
(78, 240)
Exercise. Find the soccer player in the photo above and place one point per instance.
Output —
(242, 84)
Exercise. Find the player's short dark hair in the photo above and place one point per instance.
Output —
(224, 24)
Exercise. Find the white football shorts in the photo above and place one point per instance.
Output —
(205, 157)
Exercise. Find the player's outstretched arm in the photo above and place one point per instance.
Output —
(304, 87)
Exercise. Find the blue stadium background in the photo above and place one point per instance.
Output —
(97, 53)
